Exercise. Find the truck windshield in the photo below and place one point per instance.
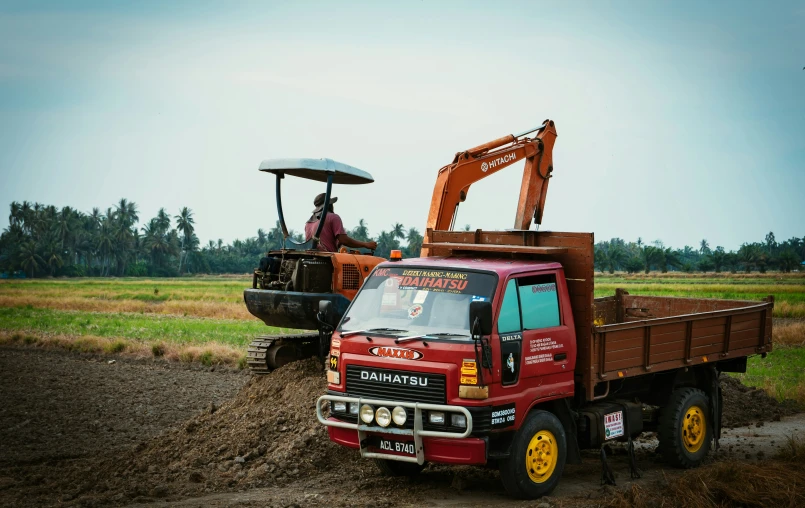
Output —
(418, 301)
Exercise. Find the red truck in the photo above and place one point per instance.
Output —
(493, 351)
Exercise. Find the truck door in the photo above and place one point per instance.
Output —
(534, 341)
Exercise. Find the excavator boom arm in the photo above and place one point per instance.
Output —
(454, 180)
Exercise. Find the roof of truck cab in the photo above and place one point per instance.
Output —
(501, 266)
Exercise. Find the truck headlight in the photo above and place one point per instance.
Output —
(353, 408)
(340, 407)
(367, 414)
(458, 420)
(436, 417)
(383, 417)
(399, 415)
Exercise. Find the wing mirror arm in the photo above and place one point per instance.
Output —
(481, 328)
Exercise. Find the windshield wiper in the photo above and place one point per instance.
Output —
(351, 332)
(373, 330)
(387, 330)
(429, 336)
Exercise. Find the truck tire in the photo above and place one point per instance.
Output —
(537, 457)
(397, 468)
(685, 429)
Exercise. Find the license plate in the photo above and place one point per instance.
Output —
(399, 447)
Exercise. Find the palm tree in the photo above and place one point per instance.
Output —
(398, 231)
(26, 216)
(127, 212)
(361, 231)
(771, 243)
(386, 242)
(650, 255)
(163, 220)
(704, 247)
(184, 223)
(64, 224)
(788, 260)
(15, 217)
(747, 255)
(669, 258)
(415, 240)
(53, 256)
(96, 216)
(105, 246)
(29, 258)
(719, 257)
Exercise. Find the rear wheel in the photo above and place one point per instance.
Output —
(397, 468)
(537, 457)
(685, 429)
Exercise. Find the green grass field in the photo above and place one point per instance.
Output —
(183, 330)
(788, 290)
(205, 319)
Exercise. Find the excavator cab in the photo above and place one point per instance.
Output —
(290, 283)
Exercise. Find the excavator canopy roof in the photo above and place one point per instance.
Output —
(317, 169)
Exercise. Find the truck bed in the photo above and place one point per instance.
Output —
(634, 335)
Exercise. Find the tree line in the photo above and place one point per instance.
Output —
(43, 240)
(618, 255)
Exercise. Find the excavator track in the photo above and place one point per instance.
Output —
(269, 352)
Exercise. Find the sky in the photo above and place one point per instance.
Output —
(677, 120)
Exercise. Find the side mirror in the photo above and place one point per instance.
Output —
(326, 311)
(481, 312)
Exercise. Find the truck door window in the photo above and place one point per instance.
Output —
(538, 301)
(509, 318)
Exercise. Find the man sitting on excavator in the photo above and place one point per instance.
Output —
(333, 233)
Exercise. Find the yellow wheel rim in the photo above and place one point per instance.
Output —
(541, 456)
(694, 428)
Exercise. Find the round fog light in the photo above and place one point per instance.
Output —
(383, 417)
(367, 413)
(399, 415)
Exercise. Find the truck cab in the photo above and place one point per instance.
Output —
(411, 376)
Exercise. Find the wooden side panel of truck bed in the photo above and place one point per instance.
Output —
(635, 335)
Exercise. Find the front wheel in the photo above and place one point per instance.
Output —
(537, 457)
(685, 429)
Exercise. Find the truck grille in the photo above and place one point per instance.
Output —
(399, 385)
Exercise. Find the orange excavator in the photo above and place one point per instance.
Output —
(454, 180)
(292, 283)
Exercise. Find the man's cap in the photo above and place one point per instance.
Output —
(319, 202)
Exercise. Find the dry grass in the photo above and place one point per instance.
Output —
(789, 309)
(195, 308)
(208, 354)
(777, 482)
(789, 334)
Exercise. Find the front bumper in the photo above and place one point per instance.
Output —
(417, 433)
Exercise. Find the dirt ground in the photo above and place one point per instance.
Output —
(81, 431)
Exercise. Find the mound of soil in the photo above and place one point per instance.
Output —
(745, 405)
(267, 435)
